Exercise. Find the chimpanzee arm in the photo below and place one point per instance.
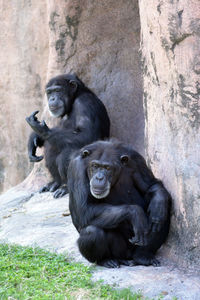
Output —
(157, 197)
(109, 216)
(41, 129)
(86, 123)
(159, 204)
(34, 142)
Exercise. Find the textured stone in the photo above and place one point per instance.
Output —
(170, 50)
(23, 63)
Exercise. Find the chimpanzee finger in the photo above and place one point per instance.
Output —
(145, 240)
(126, 262)
(35, 141)
(35, 158)
(142, 241)
(32, 117)
(158, 227)
(34, 114)
(134, 240)
(112, 263)
(155, 262)
(109, 263)
(44, 124)
(147, 229)
(155, 227)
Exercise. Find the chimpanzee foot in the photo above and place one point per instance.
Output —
(126, 262)
(63, 190)
(155, 262)
(146, 261)
(50, 187)
(54, 187)
(109, 263)
(44, 189)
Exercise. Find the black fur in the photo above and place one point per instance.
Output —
(121, 211)
(86, 122)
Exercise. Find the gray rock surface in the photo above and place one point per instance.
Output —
(24, 55)
(170, 50)
(37, 220)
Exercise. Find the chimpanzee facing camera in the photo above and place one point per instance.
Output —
(84, 119)
(121, 211)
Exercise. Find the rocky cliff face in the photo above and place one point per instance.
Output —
(23, 62)
(99, 40)
(171, 65)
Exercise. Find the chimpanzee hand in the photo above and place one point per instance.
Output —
(35, 144)
(35, 158)
(140, 226)
(40, 128)
(158, 209)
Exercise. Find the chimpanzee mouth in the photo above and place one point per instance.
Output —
(99, 194)
(56, 111)
(54, 108)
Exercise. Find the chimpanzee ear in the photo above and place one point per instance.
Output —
(124, 159)
(73, 85)
(85, 153)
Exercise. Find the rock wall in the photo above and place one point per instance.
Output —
(99, 40)
(23, 62)
(171, 65)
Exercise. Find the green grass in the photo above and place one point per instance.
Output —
(28, 273)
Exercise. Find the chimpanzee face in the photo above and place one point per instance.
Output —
(56, 100)
(60, 97)
(103, 172)
(100, 175)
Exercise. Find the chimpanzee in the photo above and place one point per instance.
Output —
(121, 211)
(84, 120)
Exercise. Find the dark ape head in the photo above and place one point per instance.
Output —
(104, 166)
(61, 91)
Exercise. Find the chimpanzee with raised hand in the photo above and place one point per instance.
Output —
(84, 119)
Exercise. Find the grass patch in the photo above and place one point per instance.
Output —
(32, 273)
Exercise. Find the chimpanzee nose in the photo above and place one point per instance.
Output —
(99, 176)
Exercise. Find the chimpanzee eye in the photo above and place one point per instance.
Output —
(73, 84)
(124, 159)
(94, 165)
(108, 168)
(85, 153)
